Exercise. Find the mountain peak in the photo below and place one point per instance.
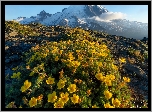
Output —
(42, 12)
(95, 10)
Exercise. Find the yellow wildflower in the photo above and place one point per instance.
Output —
(114, 67)
(108, 82)
(58, 104)
(100, 64)
(61, 74)
(72, 88)
(122, 60)
(78, 51)
(107, 94)
(75, 98)
(104, 46)
(25, 86)
(28, 67)
(95, 106)
(126, 79)
(103, 54)
(52, 97)
(107, 105)
(47, 50)
(64, 97)
(60, 52)
(100, 77)
(76, 80)
(61, 84)
(33, 102)
(79, 81)
(70, 56)
(50, 80)
(121, 84)
(112, 77)
(56, 58)
(20, 106)
(115, 102)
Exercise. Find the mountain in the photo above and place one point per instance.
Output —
(90, 17)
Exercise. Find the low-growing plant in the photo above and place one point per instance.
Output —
(76, 72)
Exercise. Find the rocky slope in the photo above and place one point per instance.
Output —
(135, 52)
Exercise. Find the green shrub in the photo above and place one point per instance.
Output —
(76, 72)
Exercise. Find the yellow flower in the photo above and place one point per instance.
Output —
(107, 105)
(56, 58)
(100, 64)
(58, 104)
(107, 94)
(94, 106)
(79, 81)
(115, 102)
(121, 84)
(108, 82)
(28, 67)
(114, 67)
(112, 77)
(61, 84)
(64, 97)
(100, 77)
(60, 52)
(50, 80)
(75, 98)
(72, 88)
(47, 50)
(76, 80)
(104, 46)
(61, 74)
(78, 51)
(126, 79)
(33, 102)
(102, 54)
(52, 97)
(25, 86)
(20, 106)
(70, 56)
(122, 60)
(75, 63)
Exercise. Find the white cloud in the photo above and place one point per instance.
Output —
(109, 16)
(112, 15)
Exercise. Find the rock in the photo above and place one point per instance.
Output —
(7, 60)
(133, 68)
(14, 57)
(8, 71)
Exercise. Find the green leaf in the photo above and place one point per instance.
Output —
(31, 74)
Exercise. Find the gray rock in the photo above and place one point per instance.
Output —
(7, 60)
(14, 57)
(133, 68)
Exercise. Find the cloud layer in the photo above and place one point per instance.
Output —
(109, 16)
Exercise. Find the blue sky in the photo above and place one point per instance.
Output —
(133, 12)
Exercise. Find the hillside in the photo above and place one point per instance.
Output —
(33, 47)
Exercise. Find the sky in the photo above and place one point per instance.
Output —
(137, 13)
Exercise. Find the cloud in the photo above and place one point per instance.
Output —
(109, 16)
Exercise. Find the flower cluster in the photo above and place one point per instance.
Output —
(78, 71)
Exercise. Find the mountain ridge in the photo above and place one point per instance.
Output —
(89, 17)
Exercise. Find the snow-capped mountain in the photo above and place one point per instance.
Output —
(90, 17)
